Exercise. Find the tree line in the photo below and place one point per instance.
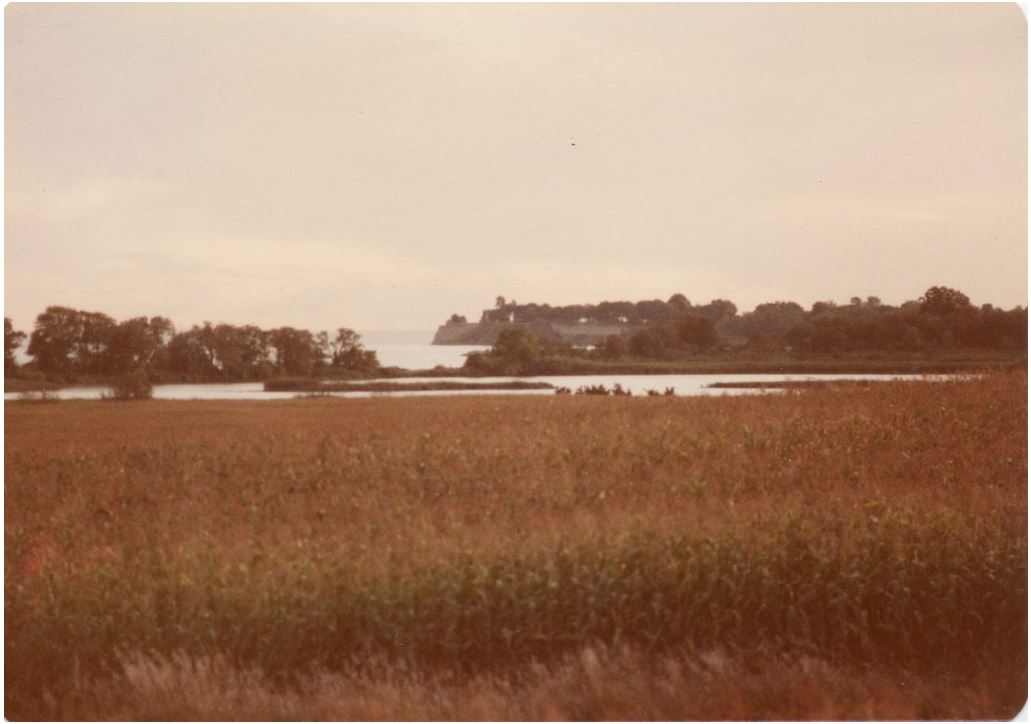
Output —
(942, 319)
(634, 313)
(71, 343)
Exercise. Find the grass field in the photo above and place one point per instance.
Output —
(844, 552)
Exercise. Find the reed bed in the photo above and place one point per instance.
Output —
(473, 551)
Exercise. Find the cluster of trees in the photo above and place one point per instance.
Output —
(72, 343)
(634, 313)
(517, 351)
(684, 333)
(942, 319)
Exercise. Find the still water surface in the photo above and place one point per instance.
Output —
(638, 384)
(423, 356)
(410, 353)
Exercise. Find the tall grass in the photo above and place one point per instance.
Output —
(873, 530)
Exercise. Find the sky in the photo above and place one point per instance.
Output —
(381, 167)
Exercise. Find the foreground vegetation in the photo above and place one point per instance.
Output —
(843, 552)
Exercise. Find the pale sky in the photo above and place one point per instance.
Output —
(380, 167)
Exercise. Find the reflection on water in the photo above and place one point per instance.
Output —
(638, 384)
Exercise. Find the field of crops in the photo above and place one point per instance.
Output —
(853, 552)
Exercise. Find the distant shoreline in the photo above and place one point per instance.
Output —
(573, 367)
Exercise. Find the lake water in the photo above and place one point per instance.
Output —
(412, 350)
(423, 356)
(638, 384)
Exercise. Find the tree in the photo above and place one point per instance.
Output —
(55, 339)
(769, 322)
(694, 329)
(942, 301)
(679, 302)
(256, 351)
(647, 343)
(347, 352)
(457, 319)
(239, 353)
(517, 344)
(132, 385)
(651, 310)
(320, 351)
(294, 351)
(345, 341)
(191, 354)
(12, 340)
(97, 329)
(614, 347)
(717, 310)
(135, 343)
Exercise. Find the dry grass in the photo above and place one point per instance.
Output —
(592, 684)
(866, 544)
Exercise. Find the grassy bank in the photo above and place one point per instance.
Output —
(789, 384)
(557, 557)
(315, 385)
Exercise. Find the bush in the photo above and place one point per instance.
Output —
(134, 385)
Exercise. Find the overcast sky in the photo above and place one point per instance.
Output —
(380, 167)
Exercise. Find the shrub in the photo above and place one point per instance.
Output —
(133, 385)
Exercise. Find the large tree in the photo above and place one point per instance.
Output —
(696, 331)
(943, 301)
(55, 339)
(136, 342)
(191, 354)
(295, 351)
(347, 352)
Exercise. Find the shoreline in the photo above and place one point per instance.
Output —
(570, 367)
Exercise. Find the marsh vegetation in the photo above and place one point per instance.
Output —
(841, 552)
